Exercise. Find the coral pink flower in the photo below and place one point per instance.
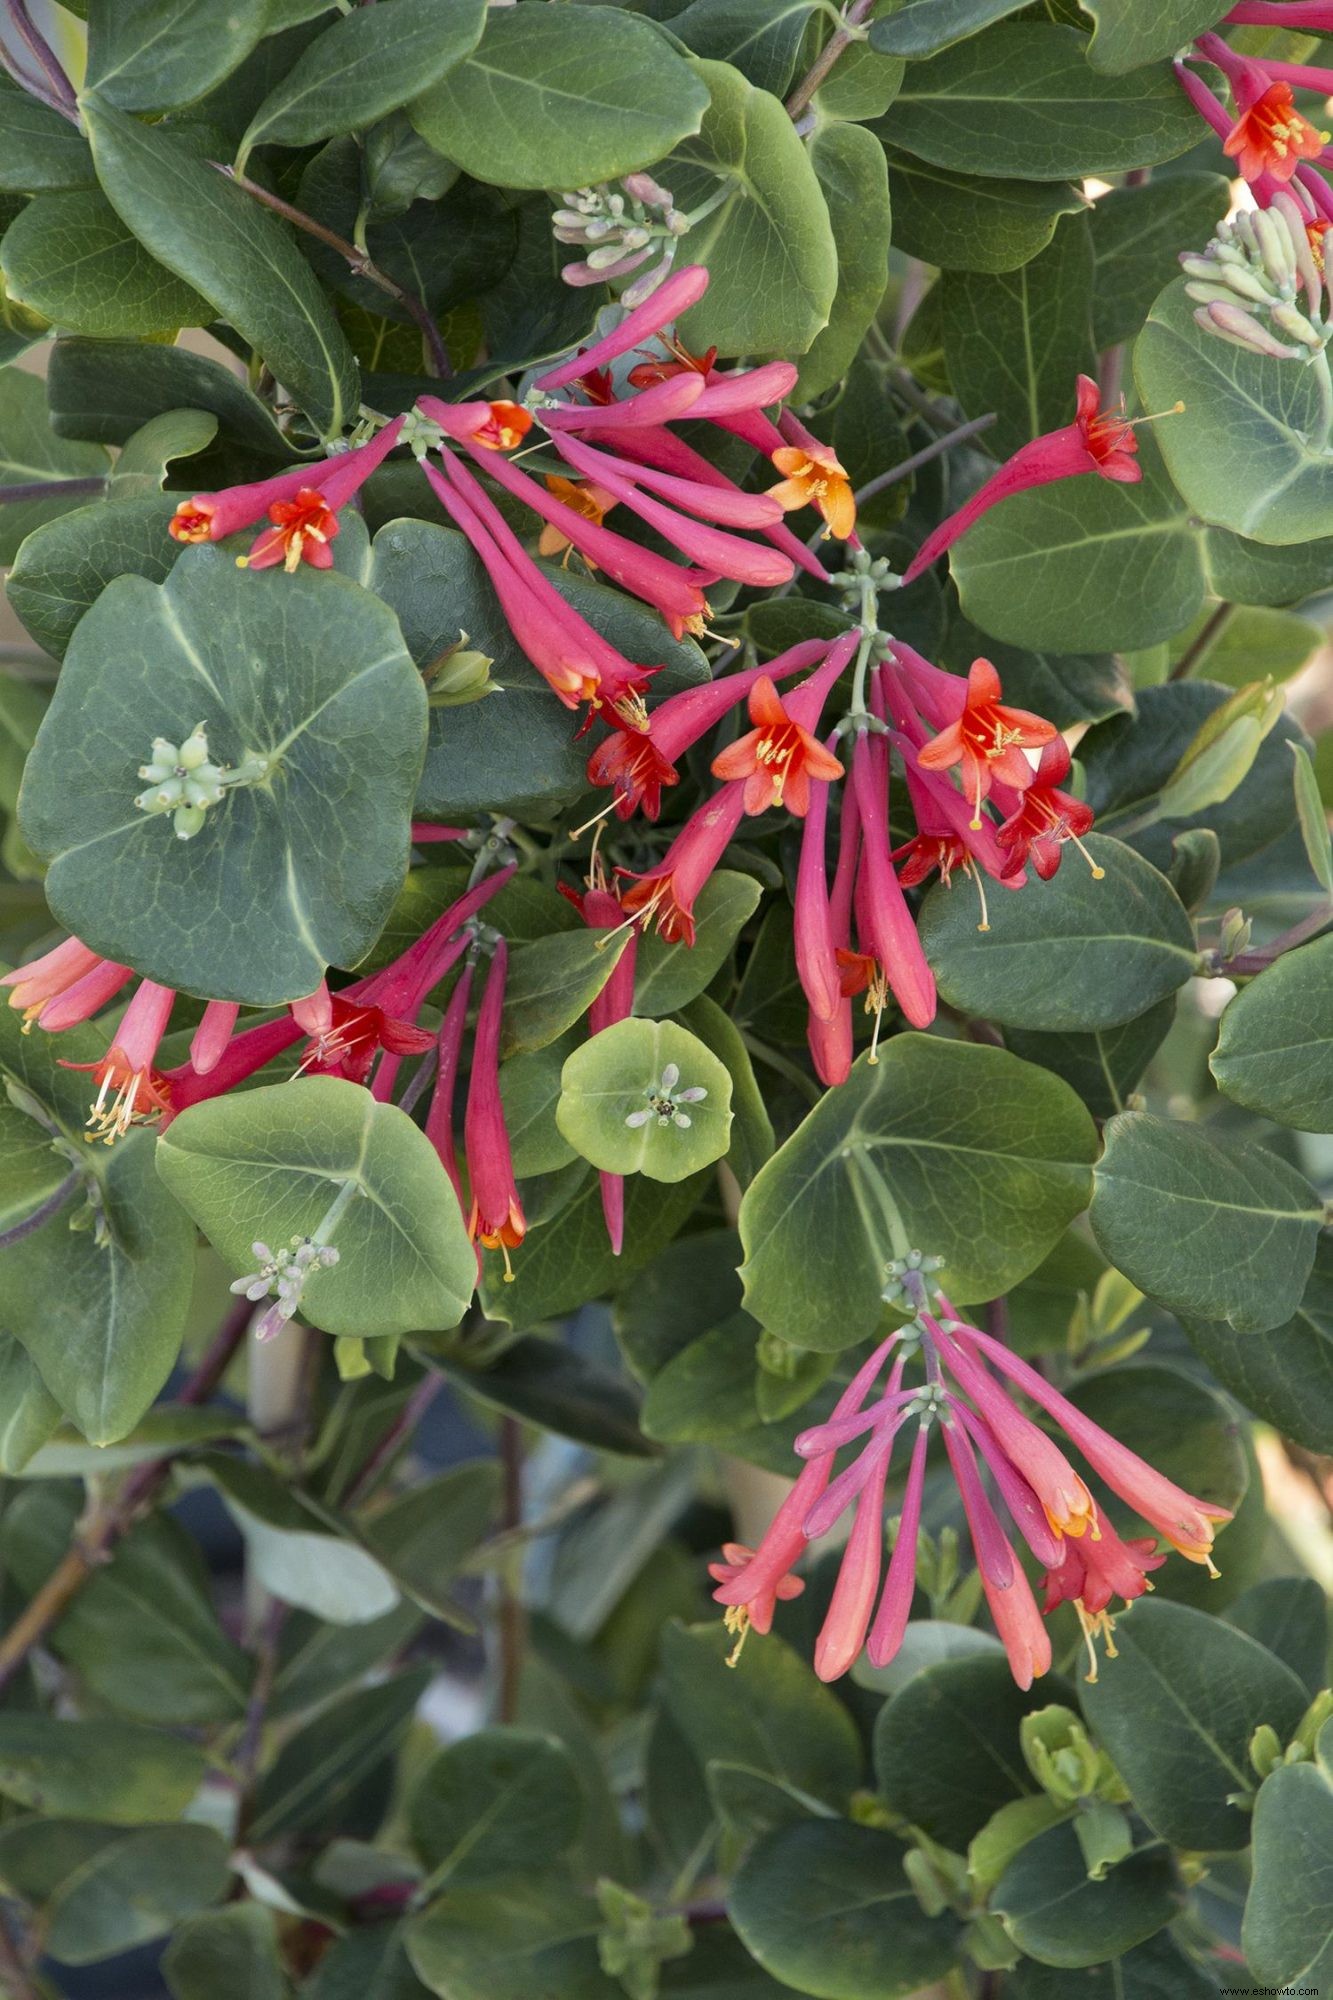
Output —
(449, 1047)
(1008, 1592)
(1103, 443)
(666, 895)
(778, 758)
(130, 1091)
(39, 982)
(212, 1035)
(1042, 817)
(987, 741)
(495, 426)
(812, 927)
(886, 1634)
(884, 922)
(496, 1220)
(1090, 1573)
(601, 910)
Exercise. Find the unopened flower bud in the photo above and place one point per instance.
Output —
(1233, 323)
(1291, 320)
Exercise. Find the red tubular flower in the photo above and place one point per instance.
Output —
(884, 922)
(1314, 15)
(304, 524)
(496, 426)
(813, 942)
(665, 895)
(1103, 443)
(496, 1220)
(830, 1037)
(1042, 817)
(987, 741)
(212, 1035)
(440, 1113)
(130, 1091)
(355, 1036)
(683, 289)
(777, 759)
(1090, 1573)
(1270, 136)
(601, 910)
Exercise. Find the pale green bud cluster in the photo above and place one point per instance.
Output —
(184, 781)
(1258, 286)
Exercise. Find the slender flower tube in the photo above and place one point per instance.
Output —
(830, 1040)
(211, 517)
(302, 526)
(496, 1221)
(883, 918)
(723, 502)
(1008, 1592)
(130, 1090)
(449, 1045)
(651, 407)
(666, 895)
(683, 289)
(1068, 1505)
(212, 1035)
(843, 1632)
(1102, 443)
(662, 449)
(812, 929)
(41, 979)
(1316, 16)
(1089, 1574)
(730, 394)
(84, 997)
(886, 1634)
(1026, 1511)
(778, 758)
(601, 910)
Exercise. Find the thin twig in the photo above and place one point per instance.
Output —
(245, 1761)
(41, 1214)
(360, 264)
(98, 1535)
(512, 1622)
(1215, 623)
(838, 42)
(62, 98)
(402, 1428)
(1247, 962)
(14, 1975)
(53, 489)
(936, 449)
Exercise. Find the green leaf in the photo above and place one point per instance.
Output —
(959, 1151)
(1249, 452)
(768, 1711)
(306, 671)
(1055, 1913)
(1274, 1053)
(1020, 99)
(668, 976)
(240, 257)
(514, 752)
(850, 167)
(530, 1091)
(1066, 956)
(320, 1767)
(1105, 1066)
(143, 465)
(546, 1383)
(1220, 1230)
(363, 67)
(267, 1164)
(769, 246)
(751, 1802)
(142, 1633)
(295, 1551)
(63, 568)
(752, 1137)
(226, 1951)
(425, 1535)
(1126, 38)
(1288, 1615)
(567, 1260)
(1015, 343)
(622, 1108)
(108, 389)
(571, 96)
(154, 55)
(760, 38)
(1288, 1931)
(827, 1908)
(947, 1751)
(101, 1319)
(1157, 1970)
(1175, 1711)
(316, 1660)
(119, 1772)
(502, 1803)
(31, 454)
(927, 26)
(1313, 818)
(71, 258)
(101, 1891)
(1084, 564)
(533, 1936)
(31, 1412)
(553, 981)
(1286, 1375)
(1137, 235)
(39, 150)
(967, 222)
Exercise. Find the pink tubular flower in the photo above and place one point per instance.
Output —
(211, 517)
(1041, 818)
(987, 740)
(39, 982)
(303, 524)
(665, 895)
(449, 1047)
(812, 927)
(1316, 16)
(495, 426)
(130, 1090)
(1008, 1592)
(1101, 443)
(683, 289)
(601, 910)
(830, 1037)
(496, 1221)
(575, 661)
(843, 1632)
(212, 1035)
(886, 1634)
(884, 921)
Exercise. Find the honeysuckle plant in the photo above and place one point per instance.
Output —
(663, 804)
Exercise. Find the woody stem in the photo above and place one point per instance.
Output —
(58, 91)
(99, 1535)
(360, 264)
(838, 42)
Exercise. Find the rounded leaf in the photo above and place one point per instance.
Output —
(287, 874)
(646, 1097)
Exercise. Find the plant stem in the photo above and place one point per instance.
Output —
(936, 449)
(245, 1762)
(1257, 961)
(512, 1620)
(42, 1214)
(52, 489)
(834, 47)
(61, 96)
(402, 1427)
(360, 264)
(1213, 625)
(13, 1970)
(99, 1533)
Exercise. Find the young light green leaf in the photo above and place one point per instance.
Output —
(646, 1097)
(1312, 816)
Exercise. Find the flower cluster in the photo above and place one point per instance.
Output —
(1260, 283)
(963, 1388)
(621, 227)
